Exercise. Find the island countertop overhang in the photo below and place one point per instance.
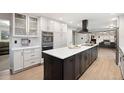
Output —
(65, 52)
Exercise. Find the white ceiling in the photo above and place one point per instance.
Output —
(96, 20)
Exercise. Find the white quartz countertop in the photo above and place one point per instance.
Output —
(26, 47)
(65, 52)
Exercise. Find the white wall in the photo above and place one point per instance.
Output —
(34, 41)
(121, 31)
(81, 38)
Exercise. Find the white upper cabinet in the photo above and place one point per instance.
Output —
(24, 25)
(64, 27)
(51, 25)
(33, 26)
(59, 29)
(43, 24)
(47, 24)
(64, 37)
(69, 36)
(60, 35)
(19, 24)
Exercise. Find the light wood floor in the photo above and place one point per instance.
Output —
(104, 68)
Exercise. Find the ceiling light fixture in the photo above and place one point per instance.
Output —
(78, 25)
(112, 13)
(70, 22)
(51, 22)
(61, 18)
(114, 19)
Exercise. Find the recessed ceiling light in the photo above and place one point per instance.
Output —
(78, 24)
(70, 22)
(113, 19)
(63, 24)
(51, 22)
(112, 13)
(61, 18)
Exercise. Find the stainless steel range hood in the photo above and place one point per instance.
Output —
(84, 26)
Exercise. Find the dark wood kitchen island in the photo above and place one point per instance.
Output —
(68, 64)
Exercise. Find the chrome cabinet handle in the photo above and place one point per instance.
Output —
(32, 62)
(32, 55)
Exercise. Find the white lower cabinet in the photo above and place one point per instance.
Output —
(17, 60)
(31, 57)
(31, 63)
(25, 58)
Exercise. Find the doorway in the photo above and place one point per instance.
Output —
(4, 44)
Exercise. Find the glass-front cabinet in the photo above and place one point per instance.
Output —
(33, 26)
(24, 25)
(20, 24)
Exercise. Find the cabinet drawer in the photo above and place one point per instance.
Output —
(30, 63)
(37, 50)
(28, 56)
(31, 56)
(32, 50)
(28, 51)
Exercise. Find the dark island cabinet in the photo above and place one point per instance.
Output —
(52, 68)
(78, 58)
(83, 62)
(70, 68)
(94, 53)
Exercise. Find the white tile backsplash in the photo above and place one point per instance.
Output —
(33, 42)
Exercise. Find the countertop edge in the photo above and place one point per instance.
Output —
(21, 48)
(68, 56)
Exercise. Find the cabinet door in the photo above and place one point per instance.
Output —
(57, 40)
(94, 54)
(69, 68)
(43, 24)
(60, 36)
(20, 24)
(33, 26)
(64, 34)
(89, 57)
(64, 39)
(18, 60)
(64, 27)
(77, 65)
(51, 25)
(85, 59)
(57, 26)
(83, 62)
(52, 68)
